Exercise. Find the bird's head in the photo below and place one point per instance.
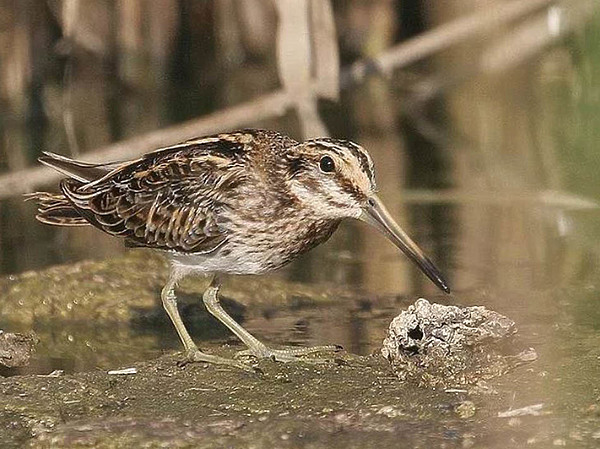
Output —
(335, 179)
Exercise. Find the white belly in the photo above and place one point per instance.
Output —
(230, 259)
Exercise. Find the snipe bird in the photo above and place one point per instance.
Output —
(245, 202)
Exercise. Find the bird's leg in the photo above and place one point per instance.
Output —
(192, 353)
(255, 347)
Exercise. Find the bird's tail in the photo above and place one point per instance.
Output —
(55, 209)
(81, 171)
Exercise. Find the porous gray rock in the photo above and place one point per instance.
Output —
(444, 346)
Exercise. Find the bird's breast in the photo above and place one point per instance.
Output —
(258, 246)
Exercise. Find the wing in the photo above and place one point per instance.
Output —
(171, 199)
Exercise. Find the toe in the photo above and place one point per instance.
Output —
(198, 356)
(289, 353)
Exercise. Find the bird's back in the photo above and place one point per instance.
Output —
(169, 199)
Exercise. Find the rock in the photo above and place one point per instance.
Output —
(16, 349)
(445, 346)
(465, 409)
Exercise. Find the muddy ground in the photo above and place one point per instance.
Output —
(351, 402)
(292, 405)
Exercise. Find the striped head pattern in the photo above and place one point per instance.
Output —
(332, 177)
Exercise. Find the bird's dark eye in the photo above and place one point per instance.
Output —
(326, 164)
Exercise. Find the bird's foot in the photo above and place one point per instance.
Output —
(290, 353)
(195, 355)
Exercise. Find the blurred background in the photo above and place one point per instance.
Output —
(481, 116)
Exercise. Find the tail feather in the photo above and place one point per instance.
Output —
(81, 171)
(56, 209)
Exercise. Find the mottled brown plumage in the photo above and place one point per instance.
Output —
(244, 202)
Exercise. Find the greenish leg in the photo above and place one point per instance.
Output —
(255, 347)
(192, 353)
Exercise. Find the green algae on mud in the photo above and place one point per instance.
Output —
(110, 289)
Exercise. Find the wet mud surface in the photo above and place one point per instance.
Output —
(113, 397)
(291, 405)
(207, 406)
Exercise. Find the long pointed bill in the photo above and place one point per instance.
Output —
(377, 216)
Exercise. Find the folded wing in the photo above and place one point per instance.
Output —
(170, 200)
